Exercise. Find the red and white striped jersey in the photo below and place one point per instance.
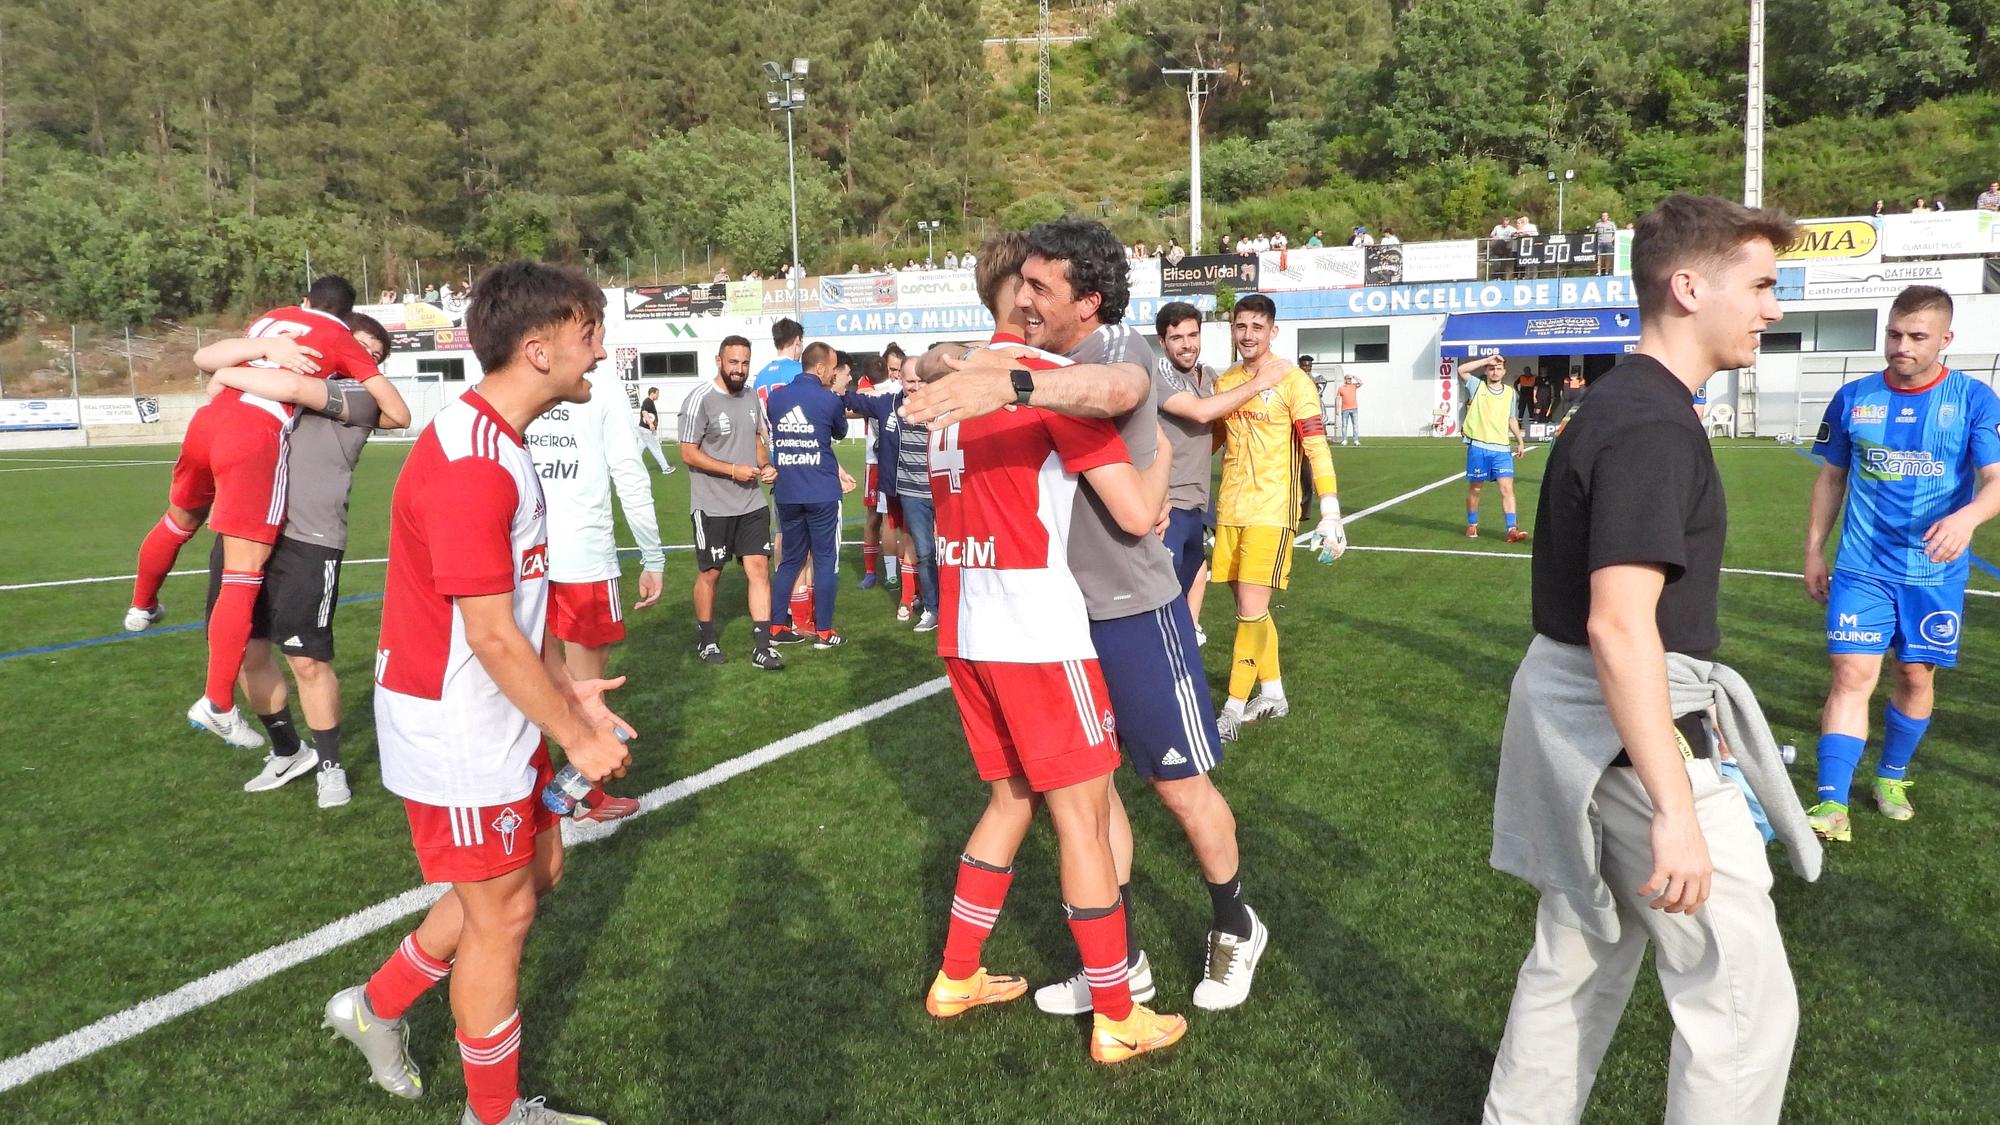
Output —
(323, 332)
(1004, 486)
(467, 519)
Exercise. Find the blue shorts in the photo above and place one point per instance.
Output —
(1159, 694)
(1487, 464)
(1865, 614)
(1185, 528)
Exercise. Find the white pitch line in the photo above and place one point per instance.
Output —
(90, 465)
(185, 573)
(141, 1018)
(1410, 495)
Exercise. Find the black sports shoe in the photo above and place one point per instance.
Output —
(768, 659)
(829, 639)
(786, 635)
(711, 653)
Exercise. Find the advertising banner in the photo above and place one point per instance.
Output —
(1145, 277)
(1456, 260)
(1458, 297)
(38, 414)
(1568, 332)
(858, 291)
(653, 302)
(1837, 280)
(1848, 239)
(1202, 274)
(1334, 267)
(962, 322)
(112, 412)
(780, 299)
(743, 298)
(936, 288)
(1935, 234)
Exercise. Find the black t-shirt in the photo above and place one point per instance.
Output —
(1632, 480)
(649, 415)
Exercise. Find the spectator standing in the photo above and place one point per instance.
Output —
(1389, 238)
(950, 260)
(1607, 242)
(1175, 252)
(1350, 410)
(1317, 240)
(1261, 243)
(967, 260)
(1989, 200)
(1361, 237)
(649, 429)
(1280, 242)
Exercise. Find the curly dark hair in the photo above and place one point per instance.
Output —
(1093, 262)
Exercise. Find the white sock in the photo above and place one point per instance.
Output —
(1234, 708)
(889, 567)
(1273, 689)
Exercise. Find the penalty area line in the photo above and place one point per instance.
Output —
(119, 1027)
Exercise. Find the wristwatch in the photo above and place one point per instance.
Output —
(1024, 384)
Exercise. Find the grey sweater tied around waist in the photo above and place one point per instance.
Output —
(1559, 741)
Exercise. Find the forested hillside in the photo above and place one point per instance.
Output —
(175, 157)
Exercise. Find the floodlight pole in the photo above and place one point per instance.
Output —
(1197, 80)
(793, 81)
(1753, 112)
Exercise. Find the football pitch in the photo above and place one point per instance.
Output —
(755, 947)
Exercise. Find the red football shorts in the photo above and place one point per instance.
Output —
(471, 845)
(895, 512)
(1048, 723)
(587, 613)
(232, 462)
(870, 488)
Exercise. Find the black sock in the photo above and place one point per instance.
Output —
(1131, 928)
(705, 632)
(1232, 917)
(1086, 913)
(284, 736)
(983, 865)
(760, 634)
(327, 742)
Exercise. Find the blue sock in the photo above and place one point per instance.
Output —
(1839, 757)
(1472, 517)
(1510, 521)
(1900, 736)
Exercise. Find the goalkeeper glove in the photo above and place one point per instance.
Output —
(1331, 531)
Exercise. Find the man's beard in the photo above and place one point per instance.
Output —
(735, 382)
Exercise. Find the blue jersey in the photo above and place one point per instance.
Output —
(777, 373)
(1912, 458)
(805, 419)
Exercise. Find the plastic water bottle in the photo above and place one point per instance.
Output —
(1788, 752)
(569, 787)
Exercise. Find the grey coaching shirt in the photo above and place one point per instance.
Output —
(725, 427)
(1193, 442)
(1121, 574)
(319, 465)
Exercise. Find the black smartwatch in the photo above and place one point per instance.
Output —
(1024, 385)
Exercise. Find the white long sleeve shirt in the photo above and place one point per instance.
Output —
(580, 450)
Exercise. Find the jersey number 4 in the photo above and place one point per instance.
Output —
(947, 459)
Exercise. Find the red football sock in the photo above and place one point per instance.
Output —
(156, 557)
(1101, 942)
(492, 1069)
(802, 610)
(975, 907)
(407, 974)
(870, 553)
(228, 632)
(909, 589)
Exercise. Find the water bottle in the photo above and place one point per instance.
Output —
(1788, 752)
(569, 787)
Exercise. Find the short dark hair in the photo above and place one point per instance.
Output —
(894, 349)
(1173, 314)
(842, 359)
(1696, 231)
(1921, 298)
(651, 391)
(729, 342)
(786, 332)
(1255, 303)
(332, 294)
(1093, 262)
(367, 325)
(1000, 258)
(816, 351)
(515, 298)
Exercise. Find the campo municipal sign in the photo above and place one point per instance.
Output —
(1853, 240)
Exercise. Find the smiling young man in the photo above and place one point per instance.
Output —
(1905, 448)
(1609, 799)
(467, 694)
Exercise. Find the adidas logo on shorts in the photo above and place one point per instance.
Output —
(794, 422)
(1173, 757)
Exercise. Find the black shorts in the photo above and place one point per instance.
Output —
(717, 539)
(296, 604)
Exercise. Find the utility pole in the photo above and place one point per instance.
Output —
(793, 98)
(1753, 112)
(1042, 63)
(1197, 80)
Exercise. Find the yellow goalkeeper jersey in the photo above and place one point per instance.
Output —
(1262, 443)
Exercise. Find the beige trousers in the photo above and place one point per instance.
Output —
(1722, 968)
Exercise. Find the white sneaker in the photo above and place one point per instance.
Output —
(927, 623)
(139, 620)
(333, 790)
(230, 725)
(278, 770)
(1072, 997)
(1228, 726)
(1232, 964)
(1266, 707)
(902, 613)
